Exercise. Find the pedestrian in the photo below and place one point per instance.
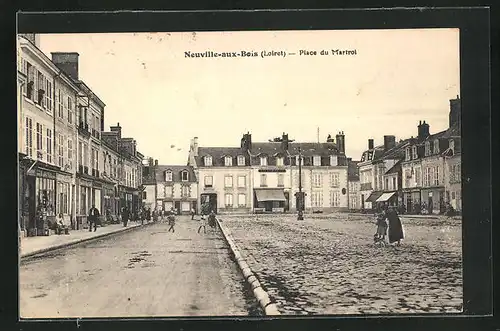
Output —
(155, 216)
(203, 224)
(212, 220)
(396, 233)
(93, 217)
(171, 221)
(382, 225)
(192, 213)
(125, 216)
(161, 215)
(148, 215)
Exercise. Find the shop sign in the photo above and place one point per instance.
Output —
(45, 174)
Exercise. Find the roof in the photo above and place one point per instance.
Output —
(397, 152)
(353, 170)
(395, 168)
(176, 172)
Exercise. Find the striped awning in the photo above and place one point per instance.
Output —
(385, 197)
(374, 196)
(270, 195)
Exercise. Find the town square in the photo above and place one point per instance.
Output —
(152, 184)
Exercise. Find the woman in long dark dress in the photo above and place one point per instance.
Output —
(395, 227)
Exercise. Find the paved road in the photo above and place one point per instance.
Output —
(329, 264)
(145, 272)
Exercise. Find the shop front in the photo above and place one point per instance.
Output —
(84, 199)
(63, 197)
(371, 201)
(269, 200)
(433, 201)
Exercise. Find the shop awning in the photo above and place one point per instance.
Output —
(386, 196)
(270, 195)
(374, 196)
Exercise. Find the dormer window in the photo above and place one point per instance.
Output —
(452, 145)
(316, 160)
(279, 161)
(263, 161)
(208, 160)
(436, 146)
(414, 152)
(334, 161)
(241, 160)
(228, 161)
(297, 159)
(168, 175)
(184, 176)
(427, 148)
(408, 155)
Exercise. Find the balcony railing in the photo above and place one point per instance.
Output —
(83, 128)
(365, 186)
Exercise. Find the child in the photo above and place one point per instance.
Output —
(382, 226)
(171, 221)
(203, 224)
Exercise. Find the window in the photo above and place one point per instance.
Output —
(228, 198)
(334, 180)
(96, 160)
(208, 161)
(144, 195)
(414, 152)
(263, 180)
(228, 161)
(168, 191)
(436, 146)
(316, 180)
(168, 176)
(60, 151)
(80, 153)
(85, 155)
(48, 95)
(279, 161)
(29, 137)
(317, 199)
(208, 181)
(185, 191)
(39, 142)
(334, 199)
(228, 181)
(60, 108)
(427, 148)
(394, 184)
(408, 155)
(241, 181)
(263, 161)
(334, 160)
(241, 160)
(242, 200)
(185, 176)
(69, 106)
(41, 90)
(387, 184)
(436, 176)
(316, 160)
(281, 180)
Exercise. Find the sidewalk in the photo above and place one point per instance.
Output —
(36, 245)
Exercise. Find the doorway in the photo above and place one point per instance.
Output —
(177, 207)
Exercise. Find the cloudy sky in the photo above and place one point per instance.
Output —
(162, 98)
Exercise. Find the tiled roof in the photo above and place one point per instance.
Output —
(397, 152)
(176, 172)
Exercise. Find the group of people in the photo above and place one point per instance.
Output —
(388, 221)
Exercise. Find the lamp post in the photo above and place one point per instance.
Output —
(300, 215)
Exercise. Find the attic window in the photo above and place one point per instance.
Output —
(208, 161)
(427, 148)
(279, 161)
(452, 145)
(436, 146)
(228, 161)
(168, 176)
(414, 152)
(184, 176)
(241, 160)
(263, 161)
(408, 155)
(316, 160)
(334, 160)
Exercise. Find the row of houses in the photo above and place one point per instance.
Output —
(67, 162)
(420, 174)
(254, 177)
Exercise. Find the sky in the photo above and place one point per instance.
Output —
(162, 98)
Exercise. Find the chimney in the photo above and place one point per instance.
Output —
(156, 163)
(340, 138)
(34, 38)
(389, 142)
(423, 130)
(117, 129)
(370, 143)
(455, 111)
(329, 139)
(246, 141)
(150, 161)
(284, 141)
(67, 62)
(195, 146)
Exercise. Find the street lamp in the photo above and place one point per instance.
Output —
(300, 214)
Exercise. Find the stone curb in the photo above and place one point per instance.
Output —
(259, 293)
(73, 243)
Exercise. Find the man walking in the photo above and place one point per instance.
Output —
(171, 221)
(93, 217)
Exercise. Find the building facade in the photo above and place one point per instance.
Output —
(354, 185)
(264, 176)
(177, 188)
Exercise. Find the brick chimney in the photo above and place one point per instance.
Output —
(246, 141)
(389, 142)
(370, 143)
(284, 141)
(117, 129)
(156, 163)
(195, 146)
(67, 62)
(455, 111)
(423, 130)
(340, 138)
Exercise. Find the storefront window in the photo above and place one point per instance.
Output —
(83, 200)
(45, 188)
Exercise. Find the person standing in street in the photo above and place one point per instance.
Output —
(171, 221)
(125, 216)
(396, 233)
(203, 224)
(192, 213)
(93, 217)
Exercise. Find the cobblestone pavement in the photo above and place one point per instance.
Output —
(145, 272)
(328, 264)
